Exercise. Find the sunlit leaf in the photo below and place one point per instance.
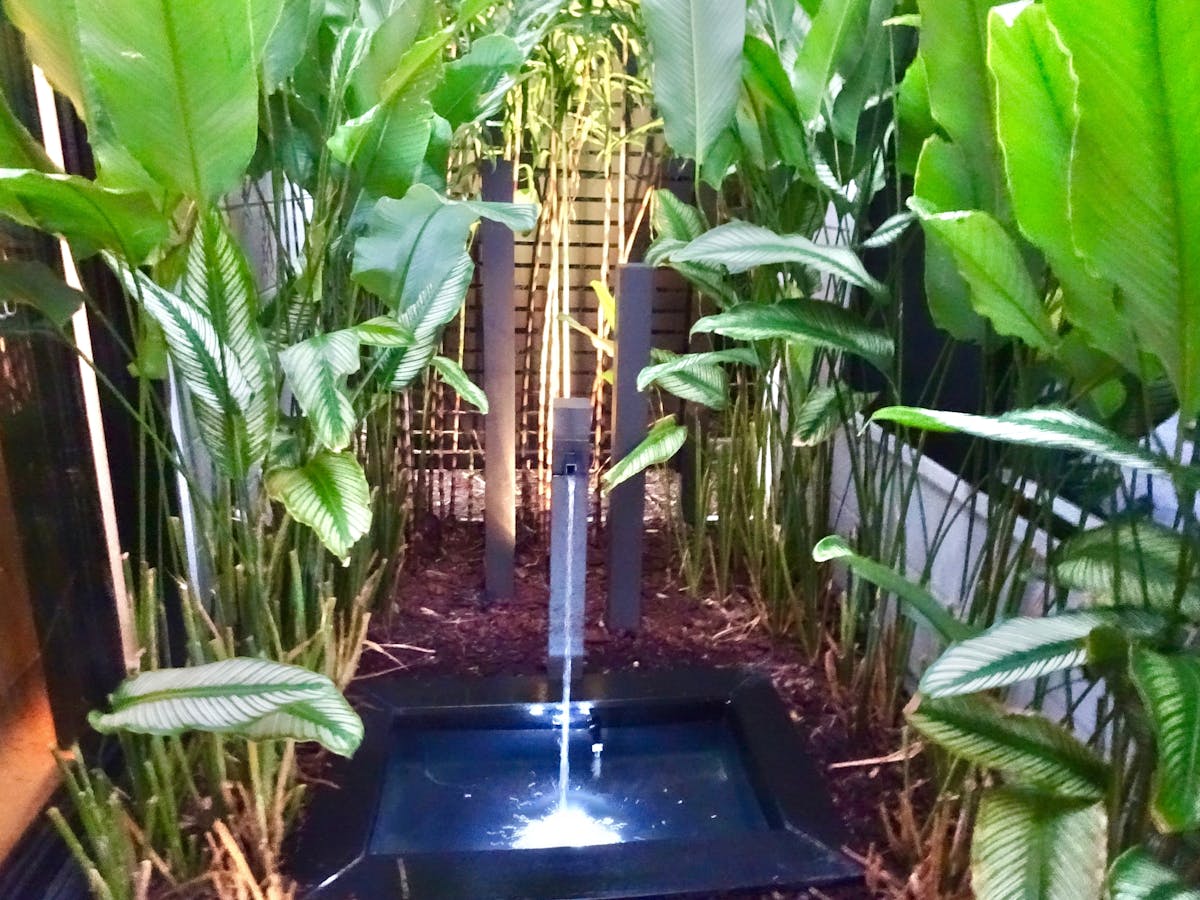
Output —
(330, 495)
(452, 373)
(1137, 876)
(660, 444)
(316, 369)
(1170, 688)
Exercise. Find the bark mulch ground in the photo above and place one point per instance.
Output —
(440, 624)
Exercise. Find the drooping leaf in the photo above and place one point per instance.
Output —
(1052, 427)
(824, 410)
(740, 246)
(1170, 689)
(253, 698)
(660, 444)
(836, 26)
(383, 331)
(1034, 846)
(605, 300)
(696, 58)
(386, 146)
(813, 322)
(890, 230)
(918, 604)
(1027, 748)
(474, 85)
(452, 373)
(772, 99)
(696, 377)
(988, 260)
(329, 494)
(34, 284)
(89, 216)
(316, 369)
(289, 40)
(671, 218)
(18, 149)
(1137, 876)
(1134, 190)
(914, 121)
(402, 367)
(1027, 647)
(179, 87)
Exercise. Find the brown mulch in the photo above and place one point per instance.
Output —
(441, 624)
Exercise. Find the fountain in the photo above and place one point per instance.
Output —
(463, 788)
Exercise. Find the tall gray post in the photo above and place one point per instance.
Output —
(570, 458)
(627, 501)
(497, 277)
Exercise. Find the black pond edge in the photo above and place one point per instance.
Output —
(328, 852)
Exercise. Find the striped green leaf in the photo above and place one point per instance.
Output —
(660, 444)
(251, 698)
(1023, 648)
(1035, 846)
(330, 495)
(1136, 875)
(824, 410)
(811, 322)
(671, 218)
(1052, 427)
(918, 604)
(1170, 689)
(400, 368)
(695, 377)
(739, 246)
(383, 331)
(452, 373)
(890, 230)
(1025, 747)
(317, 369)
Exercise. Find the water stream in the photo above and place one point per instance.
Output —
(564, 738)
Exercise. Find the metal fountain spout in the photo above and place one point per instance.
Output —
(570, 461)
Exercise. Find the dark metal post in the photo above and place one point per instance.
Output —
(570, 461)
(497, 276)
(627, 502)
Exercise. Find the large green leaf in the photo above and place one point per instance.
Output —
(812, 322)
(1027, 748)
(474, 85)
(772, 100)
(52, 43)
(1135, 169)
(671, 218)
(1137, 876)
(1027, 647)
(330, 495)
(739, 246)
(696, 58)
(386, 146)
(837, 25)
(990, 262)
(696, 377)
(402, 367)
(252, 698)
(89, 216)
(1035, 122)
(452, 373)
(35, 285)
(660, 444)
(289, 40)
(1170, 689)
(1050, 426)
(18, 149)
(177, 81)
(1035, 846)
(317, 369)
(918, 604)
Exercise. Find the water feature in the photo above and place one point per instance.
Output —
(564, 740)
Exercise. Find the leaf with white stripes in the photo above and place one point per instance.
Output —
(673, 219)
(452, 373)
(660, 444)
(1036, 846)
(1025, 747)
(890, 230)
(401, 367)
(824, 410)
(1136, 875)
(812, 322)
(1170, 689)
(329, 494)
(317, 369)
(739, 246)
(1026, 647)
(696, 377)
(253, 698)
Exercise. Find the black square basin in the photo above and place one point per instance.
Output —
(684, 782)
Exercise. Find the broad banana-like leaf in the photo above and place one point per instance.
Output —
(329, 494)
(252, 698)
(386, 145)
(918, 604)
(837, 27)
(474, 85)
(289, 40)
(1027, 647)
(1052, 427)
(452, 373)
(36, 285)
(824, 410)
(1035, 123)
(812, 322)
(671, 218)
(91, 217)
(660, 444)
(1136, 875)
(317, 369)
(696, 59)
(52, 43)
(739, 246)
(1002, 290)
(696, 377)
(18, 149)
(1170, 688)
(1129, 563)
(890, 230)
(178, 84)
(772, 101)
(1134, 188)
(1027, 748)
(914, 121)
(1036, 846)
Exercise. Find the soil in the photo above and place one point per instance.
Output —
(441, 624)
